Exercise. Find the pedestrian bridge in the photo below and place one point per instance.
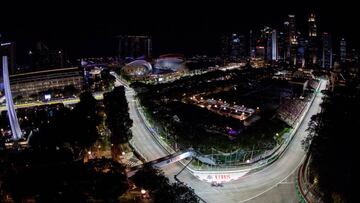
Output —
(169, 159)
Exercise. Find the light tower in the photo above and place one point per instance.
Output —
(13, 120)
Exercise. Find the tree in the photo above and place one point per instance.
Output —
(118, 118)
(149, 178)
(52, 131)
(75, 128)
(83, 122)
(69, 90)
(18, 98)
(332, 148)
(106, 78)
(59, 181)
(160, 188)
(109, 179)
(184, 194)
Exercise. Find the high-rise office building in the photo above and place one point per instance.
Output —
(292, 27)
(312, 25)
(292, 39)
(313, 43)
(237, 46)
(234, 47)
(327, 53)
(287, 46)
(274, 46)
(260, 52)
(264, 44)
(282, 46)
(134, 46)
(301, 50)
(252, 44)
(342, 50)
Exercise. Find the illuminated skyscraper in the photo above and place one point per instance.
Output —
(327, 54)
(312, 26)
(272, 51)
(312, 58)
(292, 39)
(287, 46)
(292, 27)
(274, 46)
(234, 47)
(237, 46)
(342, 50)
(282, 46)
(301, 50)
(252, 44)
(263, 44)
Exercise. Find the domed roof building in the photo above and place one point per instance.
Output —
(170, 62)
(137, 68)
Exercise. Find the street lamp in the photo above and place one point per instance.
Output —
(144, 194)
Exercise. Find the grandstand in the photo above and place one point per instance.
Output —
(312, 84)
(290, 110)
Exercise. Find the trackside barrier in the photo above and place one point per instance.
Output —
(299, 192)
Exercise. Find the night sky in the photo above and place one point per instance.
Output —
(176, 26)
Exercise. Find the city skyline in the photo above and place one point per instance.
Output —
(163, 102)
(179, 28)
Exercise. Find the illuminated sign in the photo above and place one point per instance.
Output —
(47, 96)
(222, 177)
(219, 177)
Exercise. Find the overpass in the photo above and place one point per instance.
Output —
(170, 159)
(164, 161)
